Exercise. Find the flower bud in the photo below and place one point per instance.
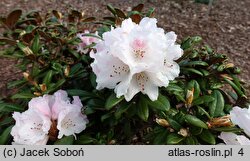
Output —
(162, 122)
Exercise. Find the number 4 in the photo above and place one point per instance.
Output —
(241, 152)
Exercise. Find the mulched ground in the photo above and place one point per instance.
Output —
(226, 29)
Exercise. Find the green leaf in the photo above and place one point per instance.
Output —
(216, 107)
(48, 77)
(202, 100)
(112, 101)
(235, 87)
(191, 70)
(192, 120)
(173, 139)
(7, 107)
(106, 116)
(56, 86)
(208, 137)
(150, 13)
(174, 124)
(173, 88)
(162, 103)
(191, 140)
(85, 139)
(111, 9)
(6, 121)
(189, 42)
(81, 93)
(66, 140)
(142, 109)
(5, 136)
(196, 130)
(35, 45)
(227, 129)
(16, 83)
(120, 110)
(193, 84)
(202, 111)
(194, 63)
(22, 95)
(160, 138)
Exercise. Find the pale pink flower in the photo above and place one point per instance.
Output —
(136, 58)
(86, 41)
(31, 128)
(232, 139)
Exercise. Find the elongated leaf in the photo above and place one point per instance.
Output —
(162, 103)
(202, 100)
(36, 44)
(174, 124)
(216, 107)
(23, 95)
(227, 129)
(191, 140)
(85, 139)
(111, 9)
(48, 77)
(66, 140)
(208, 137)
(142, 109)
(5, 136)
(112, 101)
(193, 84)
(192, 120)
(6, 121)
(123, 108)
(173, 139)
(7, 107)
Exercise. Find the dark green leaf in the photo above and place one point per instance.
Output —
(173, 139)
(216, 107)
(208, 137)
(192, 120)
(48, 77)
(85, 139)
(142, 109)
(5, 136)
(227, 129)
(36, 44)
(202, 100)
(111, 9)
(7, 107)
(162, 103)
(66, 140)
(191, 140)
(112, 101)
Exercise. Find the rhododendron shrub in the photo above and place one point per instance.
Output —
(117, 80)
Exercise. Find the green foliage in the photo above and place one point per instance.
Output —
(207, 88)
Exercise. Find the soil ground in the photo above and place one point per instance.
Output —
(226, 29)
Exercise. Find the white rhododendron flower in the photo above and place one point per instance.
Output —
(86, 41)
(232, 139)
(31, 128)
(33, 125)
(241, 117)
(136, 58)
(71, 121)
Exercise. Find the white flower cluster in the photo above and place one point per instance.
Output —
(86, 41)
(32, 126)
(136, 58)
(240, 117)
